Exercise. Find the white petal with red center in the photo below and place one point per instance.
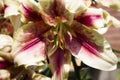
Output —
(96, 18)
(91, 48)
(29, 46)
(30, 11)
(31, 53)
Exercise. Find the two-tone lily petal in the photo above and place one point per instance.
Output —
(59, 64)
(30, 11)
(91, 48)
(29, 46)
(53, 9)
(96, 18)
(11, 11)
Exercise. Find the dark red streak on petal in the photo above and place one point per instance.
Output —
(58, 60)
(88, 19)
(89, 46)
(30, 44)
(31, 14)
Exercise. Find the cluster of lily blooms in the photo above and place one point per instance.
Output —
(40, 33)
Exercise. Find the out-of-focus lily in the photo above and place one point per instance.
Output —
(11, 11)
(4, 75)
(5, 57)
(5, 46)
(109, 3)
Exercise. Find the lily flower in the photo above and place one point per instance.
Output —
(57, 33)
(109, 3)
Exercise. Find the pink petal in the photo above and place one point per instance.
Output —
(29, 47)
(31, 53)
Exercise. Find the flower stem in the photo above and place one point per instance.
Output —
(76, 69)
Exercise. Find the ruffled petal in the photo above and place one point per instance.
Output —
(91, 48)
(59, 64)
(29, 45)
